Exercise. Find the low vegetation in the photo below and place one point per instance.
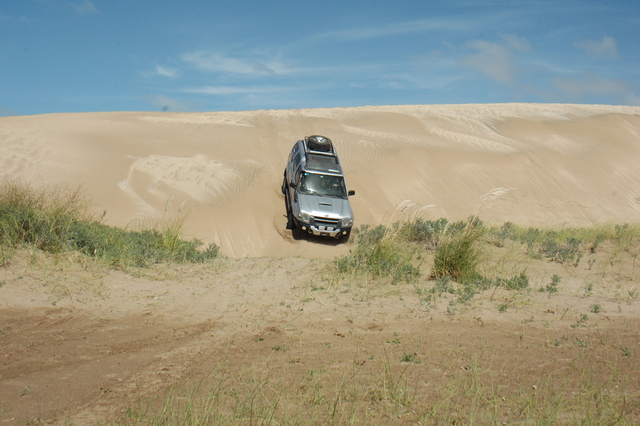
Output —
(402, 383)
(442, 257)
(397, 381)
(381, 253)
(389, 393)
(458, 248)
(58, 221)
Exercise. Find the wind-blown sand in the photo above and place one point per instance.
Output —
(531, 164)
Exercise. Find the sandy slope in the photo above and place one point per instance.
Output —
(84, 345)
(526, 163)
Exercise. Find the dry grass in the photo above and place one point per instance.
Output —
(548, 363)
(408, 383)
(414, 345)
(58, 221)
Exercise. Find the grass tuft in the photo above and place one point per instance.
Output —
(57, 221)
(457, 256)
(381, 253)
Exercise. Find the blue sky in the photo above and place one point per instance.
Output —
(187, 55)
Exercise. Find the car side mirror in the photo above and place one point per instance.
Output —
(293, 185)
(351, 192)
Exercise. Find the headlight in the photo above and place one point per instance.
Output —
(304, 217)
(347, 221)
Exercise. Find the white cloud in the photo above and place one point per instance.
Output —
(498, 61)
(602, 49)
(85, 7)
(593, 85)
(517, 43)
(218, 63)
(492, 59)
(166, 72)
(229, 90)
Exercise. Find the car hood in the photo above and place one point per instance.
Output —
(318, 205)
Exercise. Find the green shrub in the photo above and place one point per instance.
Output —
(508, 231)
(552, 287)
(562, 253)
(57, 222)
(516, 282)
(457, 255)
(380, 253)
(424, 231)
(457, 247)
(467, 292)
(443, 285)
(368, 235)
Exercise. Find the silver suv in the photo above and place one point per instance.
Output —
(315, 193)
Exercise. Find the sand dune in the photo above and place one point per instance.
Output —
(532, 164)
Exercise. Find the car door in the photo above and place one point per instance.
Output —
(293, 169)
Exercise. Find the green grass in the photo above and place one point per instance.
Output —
(405, 388)
(461, 259)
(57, 221)
(398, 252)
(459, 248)
(457, 255)
(392, 393)
(566, 244)
(380, 252)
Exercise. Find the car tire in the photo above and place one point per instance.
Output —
(290, 222)
(297, 233)
(319, 143)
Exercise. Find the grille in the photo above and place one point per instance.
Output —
(326, 221)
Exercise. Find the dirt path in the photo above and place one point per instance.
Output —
(89, 346)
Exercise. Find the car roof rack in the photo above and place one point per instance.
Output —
(322, 161)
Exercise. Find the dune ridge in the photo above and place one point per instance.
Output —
(531, 164)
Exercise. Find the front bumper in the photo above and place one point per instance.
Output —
(323, 230)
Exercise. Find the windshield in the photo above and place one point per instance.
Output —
(315, 183)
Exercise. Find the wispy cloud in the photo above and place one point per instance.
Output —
(500, 61)
(601, 49)
(579, 88)
(399, 28)
(517, 43)
(504, 62)
(85, 7)
(230, 90)
(214, 62)
(492, 59)
(166, 72)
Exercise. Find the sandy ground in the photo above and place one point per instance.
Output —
(81, 344)
(525, 163)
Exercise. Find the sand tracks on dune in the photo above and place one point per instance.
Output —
(221, 171)
(158, 183)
